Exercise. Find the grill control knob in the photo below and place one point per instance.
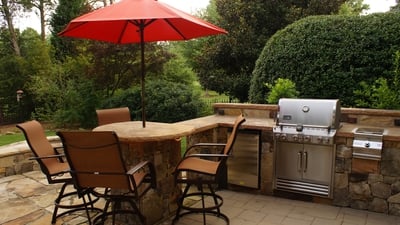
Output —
(295, 137)
(319, 139)
(307, 138)
(327, 140)
(283, 137)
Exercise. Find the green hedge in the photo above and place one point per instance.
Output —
(328, 56)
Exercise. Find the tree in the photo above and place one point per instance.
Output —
(37, 63)
(43, 7)
(64, 13)
(226, 62)
(116, 66)
(8, 9)
(395, 8)
(353, 7)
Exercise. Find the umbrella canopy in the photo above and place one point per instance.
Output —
(139, 21)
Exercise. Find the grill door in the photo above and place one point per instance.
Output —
(304, 168)
(288, 160)
(319, 163)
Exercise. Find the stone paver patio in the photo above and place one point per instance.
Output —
(28, 199)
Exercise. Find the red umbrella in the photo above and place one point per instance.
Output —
(139, 21)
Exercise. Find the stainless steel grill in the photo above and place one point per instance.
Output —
(304, 145)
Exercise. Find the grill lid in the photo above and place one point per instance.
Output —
(309, 112)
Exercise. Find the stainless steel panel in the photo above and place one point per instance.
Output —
(243, 165)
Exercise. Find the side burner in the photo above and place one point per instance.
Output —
(368, 143)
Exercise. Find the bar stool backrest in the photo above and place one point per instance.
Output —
(113, 115)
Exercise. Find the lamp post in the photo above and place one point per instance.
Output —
(19, 95)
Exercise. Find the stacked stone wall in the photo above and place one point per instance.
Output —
(377, 190)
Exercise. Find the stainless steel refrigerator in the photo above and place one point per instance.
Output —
(243, 167)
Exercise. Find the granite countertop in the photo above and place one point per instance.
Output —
(213, 121)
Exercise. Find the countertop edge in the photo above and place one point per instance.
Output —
(214, 121)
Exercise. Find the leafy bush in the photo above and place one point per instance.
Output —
(328, 56)
(377, 95)
(172, 102)
(282, 88)
(380, 94)
(125, 98)
(165, 101)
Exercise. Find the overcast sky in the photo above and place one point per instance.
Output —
(192, 6)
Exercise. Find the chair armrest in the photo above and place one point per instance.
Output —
(138, 167)
(56, 148)
(202, 145)
(151, 175)
(57, 152)
(208, 155)
(47, 157)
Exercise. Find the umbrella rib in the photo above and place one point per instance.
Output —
(141, 24)
(71, 29)
(123, 32)
(176, 29)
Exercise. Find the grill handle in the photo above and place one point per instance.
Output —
(299, 161)
(305, 161)
(305, 125)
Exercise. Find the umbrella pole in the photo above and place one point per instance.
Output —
(143, 76)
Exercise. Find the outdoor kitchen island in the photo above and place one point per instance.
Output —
(375, 186)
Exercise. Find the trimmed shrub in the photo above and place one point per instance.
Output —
(328, 56)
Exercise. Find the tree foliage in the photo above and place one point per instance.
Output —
(65, 11)
(17, 72)
(119, 66)
(353, 7)
(227, 61)
(328, 56)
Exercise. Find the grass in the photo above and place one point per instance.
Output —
(6, 139)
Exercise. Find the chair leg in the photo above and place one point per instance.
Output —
(180, 201)
(214, 195)
(203, 204)
(57, 203)
(117, 208)
(204, 210)
(75, 207)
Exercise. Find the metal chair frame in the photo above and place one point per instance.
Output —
(53, 166)
(97, 164)
(204, 169)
